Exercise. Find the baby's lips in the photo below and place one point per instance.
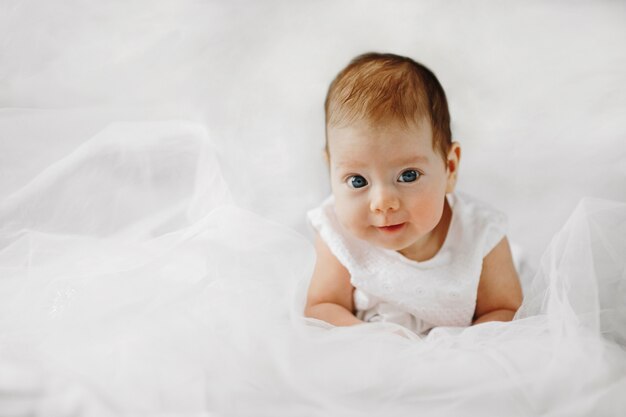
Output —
(392, 228)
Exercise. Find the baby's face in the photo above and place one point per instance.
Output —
(389, 183)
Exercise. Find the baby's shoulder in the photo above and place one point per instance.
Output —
(323, 216)
(478, 221)
(349, 250)
(475, 210)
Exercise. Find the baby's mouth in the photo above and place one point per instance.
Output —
(392, 228)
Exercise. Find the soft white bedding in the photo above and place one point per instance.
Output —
(156, 162)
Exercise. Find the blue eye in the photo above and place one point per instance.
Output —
(409, 175)
(357, 181)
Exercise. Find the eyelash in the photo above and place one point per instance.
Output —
(349, 178)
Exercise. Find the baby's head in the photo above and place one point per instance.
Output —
(384, 88)
(390, 151)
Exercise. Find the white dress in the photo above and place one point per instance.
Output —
(437, 292)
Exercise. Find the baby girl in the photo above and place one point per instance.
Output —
(394, 241)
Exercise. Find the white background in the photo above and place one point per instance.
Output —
(537, 90)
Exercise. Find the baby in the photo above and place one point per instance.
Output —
(395, 242)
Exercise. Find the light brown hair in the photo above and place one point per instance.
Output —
(382, 88)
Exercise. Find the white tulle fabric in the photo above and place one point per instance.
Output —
(130, 284)
(440, 291)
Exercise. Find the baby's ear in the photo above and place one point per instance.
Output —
(452, 165)
(326, 157)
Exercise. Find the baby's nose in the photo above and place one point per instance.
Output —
(384, 200)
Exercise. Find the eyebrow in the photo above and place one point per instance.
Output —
(412, 158)
(403, 161)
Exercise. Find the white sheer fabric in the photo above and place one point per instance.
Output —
(130, 284)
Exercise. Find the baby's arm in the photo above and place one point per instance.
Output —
(499, 290)
(330, 292)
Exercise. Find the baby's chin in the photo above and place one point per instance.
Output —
(396, 246)
(374, 238)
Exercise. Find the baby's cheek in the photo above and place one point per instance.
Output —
(427, 213)
(350, 218)
(435, 211)
(358, 229)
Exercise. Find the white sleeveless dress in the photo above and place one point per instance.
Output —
(440, 291)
